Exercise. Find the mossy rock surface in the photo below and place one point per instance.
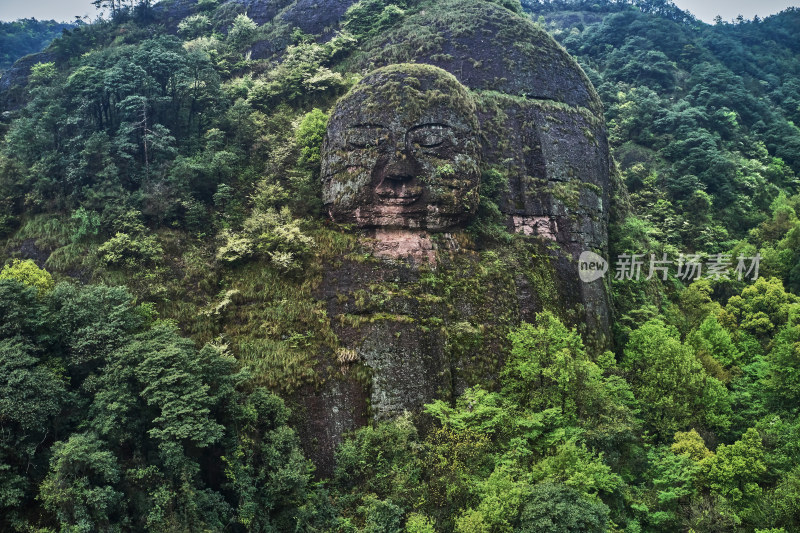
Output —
(402, 151)
(424, 333)
(14, 80)
(418, 333)
(319, 18)
(557, 164)
(486, 47)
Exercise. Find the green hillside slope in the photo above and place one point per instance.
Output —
(180, 317)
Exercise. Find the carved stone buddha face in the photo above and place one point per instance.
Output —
(402, 151)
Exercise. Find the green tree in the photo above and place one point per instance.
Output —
(783, 378)
(735, 471)
(32, 394)
(242, 32)
(194, 26)
(81, 486)
(369, 17)
(394, 472)
(673, 389)
(267, 469)
(761, 309)
(27, 273)
(548, 367)
(555, 508)
(310, 133)
(674, 479)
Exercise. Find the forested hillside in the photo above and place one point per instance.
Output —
(702, 122)
(164, 241)
(26, 36)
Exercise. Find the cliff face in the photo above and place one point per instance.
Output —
(431, 318)
(14, 80)
(313, 17)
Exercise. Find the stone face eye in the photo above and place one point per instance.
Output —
(429, 135)
(366, 135)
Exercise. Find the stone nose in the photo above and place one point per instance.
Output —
(401, 169)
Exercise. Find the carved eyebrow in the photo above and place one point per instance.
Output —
(368, 126)
(366, 135)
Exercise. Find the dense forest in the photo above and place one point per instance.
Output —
(162, 234)
(26, 36)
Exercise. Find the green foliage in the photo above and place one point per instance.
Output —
(87, 222)
(27, 273)
(735, 471)
(714, 348)
(513, 5)
(303, 75)
(170, 379)
(553, 507)
(80, 486)
(195, 26)
(42, 73)
(480, 463)
(701, 152)
(130, 252)
(761, 309)
(156, 413)
(672, 387)
(548, 367)
(310, 133)
(367, 18)
(783, 378)
(381, 516)
(31, 390)
(242, 32)
(786, 499)
(270, 234)
(128, 150)
(502, 495)
(395, 473)
(489, 222)
(418, 523)
(579, 468)
(267, 468)
(674, 476)
(691, 444)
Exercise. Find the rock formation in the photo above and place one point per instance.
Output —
(402, 155)
(403, 160)
(14, 80)
(402, 151)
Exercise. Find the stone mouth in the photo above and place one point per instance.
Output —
(398, 194)
(399, 199)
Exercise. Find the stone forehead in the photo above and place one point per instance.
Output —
(405, 94)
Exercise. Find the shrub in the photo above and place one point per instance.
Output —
(194, 26)
(27, 273)
(271, 234)
(242, 32)
(310, 134)
(125, 251)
